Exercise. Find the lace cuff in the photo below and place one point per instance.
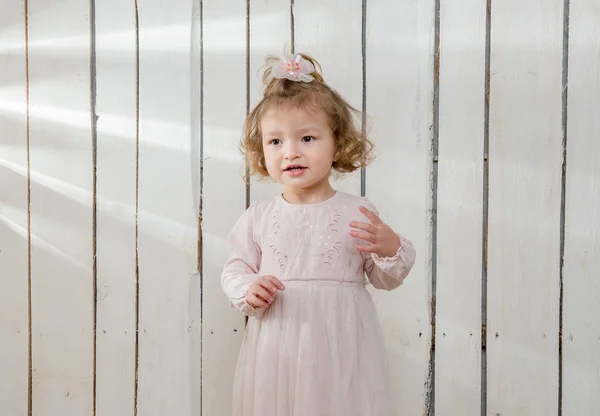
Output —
(405, 256)
(240, 303)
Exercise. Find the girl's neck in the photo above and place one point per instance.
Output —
(313, 195)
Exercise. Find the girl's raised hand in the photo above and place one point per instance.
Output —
(261, 292)
(384, 242)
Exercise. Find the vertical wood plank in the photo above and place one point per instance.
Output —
(116, 208)
(581, 299)
(195, 289)
(14, 309)
(460, 208)
(400, 40)
(168, 228)
(524, 207)
(61, 207)
(332, 33)
(270, 34)
(224, 40)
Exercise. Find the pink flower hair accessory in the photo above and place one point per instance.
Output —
(294, 68)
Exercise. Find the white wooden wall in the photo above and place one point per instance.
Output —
(120, 177)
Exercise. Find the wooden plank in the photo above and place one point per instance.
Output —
(14, 253)
(61, 208)
(581, 299)
(195, 155)
(168, 230)
(332, 33)
(460, 208)
(116, 213)
(524, 207)
(399, 101)
(224, 70)
(270, 35)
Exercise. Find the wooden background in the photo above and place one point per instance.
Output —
(120, 178)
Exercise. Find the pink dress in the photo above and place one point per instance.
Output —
(317, 350)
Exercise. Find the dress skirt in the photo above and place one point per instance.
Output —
(317, 350)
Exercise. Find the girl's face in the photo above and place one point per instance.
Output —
(299, 147)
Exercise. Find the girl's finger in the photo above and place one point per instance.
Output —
(363, 235)
(269, 286)
(371, 216)
(263, 293)
(367, 249)
(276, 282)
(364, 226)
(255, 301)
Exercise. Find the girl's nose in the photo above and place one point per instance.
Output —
(291, 150)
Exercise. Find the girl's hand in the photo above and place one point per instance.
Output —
(261, 292)
(384, 241)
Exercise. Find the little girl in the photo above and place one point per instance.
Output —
(313, 344)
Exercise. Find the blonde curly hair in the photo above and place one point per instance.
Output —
(352, 146)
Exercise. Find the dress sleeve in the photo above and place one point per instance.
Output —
(241, 269)
(389, 272)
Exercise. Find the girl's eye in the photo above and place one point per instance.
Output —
(308, 139)
(275, 142)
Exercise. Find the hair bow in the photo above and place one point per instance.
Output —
(294, 68)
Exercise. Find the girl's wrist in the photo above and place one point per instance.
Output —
(393, 250)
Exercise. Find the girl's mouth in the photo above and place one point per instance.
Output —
(295, 170)
(294, 167)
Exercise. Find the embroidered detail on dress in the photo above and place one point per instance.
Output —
(333, 226)
(276, 226)
(281, 258)
(292, 230)
(331, 254)
(332, 246)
